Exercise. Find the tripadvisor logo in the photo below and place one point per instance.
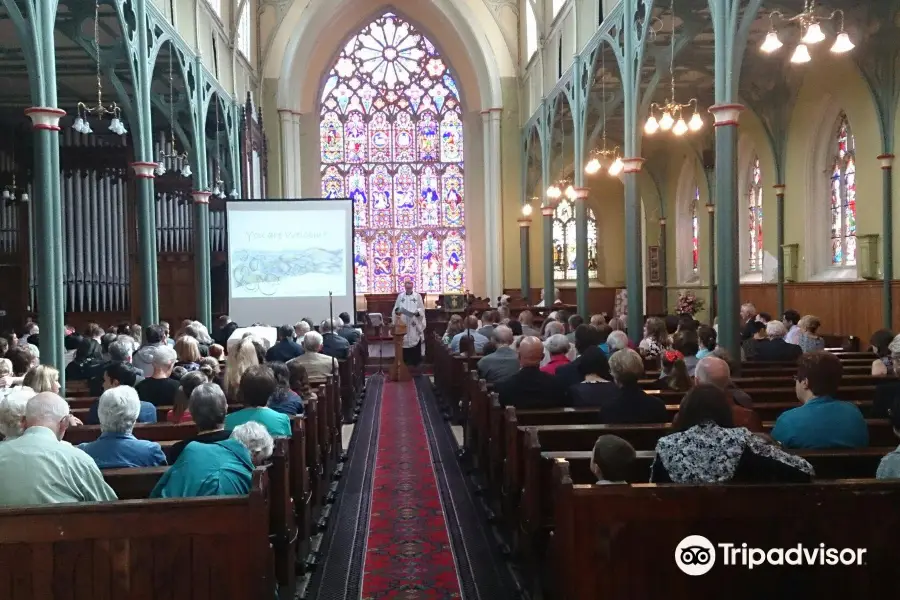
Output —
(696, 555)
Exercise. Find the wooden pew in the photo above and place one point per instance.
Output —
(179, 548)
(619, 541)
(536, 516)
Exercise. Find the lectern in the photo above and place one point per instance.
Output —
(398, 371)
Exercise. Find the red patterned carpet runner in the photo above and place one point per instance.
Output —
(408, 553)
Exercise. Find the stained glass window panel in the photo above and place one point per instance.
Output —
(391, 139)
(843, 196)
(755, 217)
(695, 232)
(564, 247)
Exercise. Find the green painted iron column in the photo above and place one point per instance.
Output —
(663, 264)
(779, 239)
(200, 195)
(35, 30)
(579, 106)
(731, 26)
(711, 258)
(544, 130)
(525, 222)
(887, 246)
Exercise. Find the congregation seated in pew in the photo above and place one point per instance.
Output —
(39, 468)
(715, 371)
(612, 460)
(208, 407)
(223, 468)
(118, 374)
(632, 404)
(673, 372)
(530, 387)
(284, 400)
(708, 448)
(586, 337)
(159, 388)
(117, 448)
(504, 361)
(596, 388)
(470, 330)
(557, 346)
(316, 362)
(889, 467)
(12, 410)
(256, 387)
(180, 413)
(821, 421)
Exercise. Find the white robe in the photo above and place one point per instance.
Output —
(415, 326)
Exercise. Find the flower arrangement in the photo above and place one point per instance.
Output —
(688, 303)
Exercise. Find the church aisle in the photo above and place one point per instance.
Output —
(408, 551)
(406, 523)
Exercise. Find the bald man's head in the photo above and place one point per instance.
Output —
(47, 410)
(531, 351)
(713, 370)
(471, 322)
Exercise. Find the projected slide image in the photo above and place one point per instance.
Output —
(282, 254)
(264, 272)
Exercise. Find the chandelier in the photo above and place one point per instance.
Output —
(811, 27)
(670, 116)
(561, 188)
(171, 153)
(10, 191)
(100, 111)
(218, 189)
(601, 157)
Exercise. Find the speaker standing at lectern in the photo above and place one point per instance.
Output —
(410, 308)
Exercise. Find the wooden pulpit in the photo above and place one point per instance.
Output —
(398, 371)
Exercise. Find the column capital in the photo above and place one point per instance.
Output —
(886, 160)
(633, 164)
(524, 221)
(45, 117)
(200, 197)
(488, 111)
(582, 192)
(144, 170)
(779, 188)
(662, 222)
(547, 211)
(726, 114)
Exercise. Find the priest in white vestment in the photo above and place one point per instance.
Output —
(410, 308)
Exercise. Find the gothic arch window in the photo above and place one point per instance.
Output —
(695, 233)
(842, 187)
(391, 139)
(755, 217)
(564, 249)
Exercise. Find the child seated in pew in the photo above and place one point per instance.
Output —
(889, 467)
(708, 448)
(612, 460)
(218, 469)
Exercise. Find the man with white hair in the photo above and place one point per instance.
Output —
(12, 411)
(159, 389)
(39, 468)
(502, 362)
(332, 343)
(748, 316)
(117, 448)
(316, 363)
(219, 468)
(774, 348)
(409, 308)
(301, 328)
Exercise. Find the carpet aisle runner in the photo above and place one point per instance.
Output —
(408, 552)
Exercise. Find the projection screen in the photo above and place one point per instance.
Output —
(285, 256)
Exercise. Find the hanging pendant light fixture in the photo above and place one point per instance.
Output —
(218, 189)
(602, 155)
(671, 113)
(810, 25)
(170, 153)
(84, 111)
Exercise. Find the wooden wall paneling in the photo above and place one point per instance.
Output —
(177, 287)
(656, 301)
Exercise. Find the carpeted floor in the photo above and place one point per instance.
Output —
(408, 553)
(406, 523)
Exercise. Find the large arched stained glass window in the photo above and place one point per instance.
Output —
(564, 250)
(755, 217)
(392, 140)
(843, 197)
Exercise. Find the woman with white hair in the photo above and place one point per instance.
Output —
(117, 448)
(217, 469)
(558, 347)
(12, 411)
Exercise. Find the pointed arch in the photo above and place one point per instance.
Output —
(391, 139)
(687, 225)
(564, 249)
(842, 194)
(754, 206)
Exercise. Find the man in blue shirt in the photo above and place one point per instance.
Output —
(822, 421)
(286, 348)
(471, 329)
